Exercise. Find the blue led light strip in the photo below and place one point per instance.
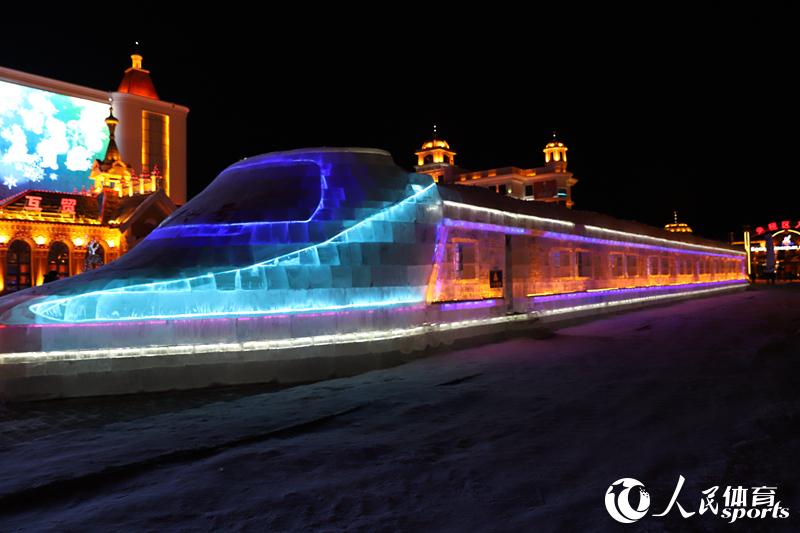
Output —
(50, 309)
(326, 340)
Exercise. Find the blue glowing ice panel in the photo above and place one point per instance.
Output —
(361, 236)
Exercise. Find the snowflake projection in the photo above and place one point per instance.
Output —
(48, 140)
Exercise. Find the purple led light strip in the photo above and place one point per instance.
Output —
(468, 304)
(595, 240)
(635, 290)
(513, 230)
(485, 227)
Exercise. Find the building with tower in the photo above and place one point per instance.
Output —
(773, 249)
(550, 183)
(84, 174)
(436, 159)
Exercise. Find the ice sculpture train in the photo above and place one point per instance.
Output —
(323, 255)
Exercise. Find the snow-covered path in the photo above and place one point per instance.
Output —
(525, 434)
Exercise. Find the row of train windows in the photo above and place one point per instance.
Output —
(587, 264)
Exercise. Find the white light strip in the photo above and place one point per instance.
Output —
(616, 303)
(250, 346)
(510, 214)
(320, 340)
(637, 236)
(662, 240)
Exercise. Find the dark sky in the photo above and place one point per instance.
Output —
(661, 110)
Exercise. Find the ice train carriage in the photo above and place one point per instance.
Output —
(340, 247)
(555, 260)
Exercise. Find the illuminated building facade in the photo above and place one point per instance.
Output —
(81, 184)
(551, 183)
(355, 258)
(773, 250)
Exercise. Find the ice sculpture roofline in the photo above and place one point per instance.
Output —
(320, 150)
(307, 154)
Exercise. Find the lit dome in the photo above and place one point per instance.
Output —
(555, 151)
(436, 143)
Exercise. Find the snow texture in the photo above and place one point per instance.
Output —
(521, 435)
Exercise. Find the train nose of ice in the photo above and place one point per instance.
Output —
(14, 308)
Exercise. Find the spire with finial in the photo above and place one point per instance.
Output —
(111, 172)
(112, 152)
(136, 57)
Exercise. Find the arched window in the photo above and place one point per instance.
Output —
(428, 159)
(58, 259)
(18, 266)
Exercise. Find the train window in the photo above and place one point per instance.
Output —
(665, 266)
(562, 264)
(264, 192)
(631, 266)
(584, 260)
(617, 265)
(652, 266)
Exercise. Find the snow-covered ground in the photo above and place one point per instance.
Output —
(521, 435)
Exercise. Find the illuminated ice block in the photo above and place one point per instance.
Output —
(290, 232)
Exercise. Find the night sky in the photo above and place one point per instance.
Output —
(661, 110)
